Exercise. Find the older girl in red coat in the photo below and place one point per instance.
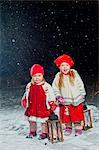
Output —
(39, 101)
(70, 92)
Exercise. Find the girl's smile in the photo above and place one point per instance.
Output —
(64, 68)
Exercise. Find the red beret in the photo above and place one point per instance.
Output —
(64, 58)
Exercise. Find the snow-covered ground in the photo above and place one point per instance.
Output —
(14, 128)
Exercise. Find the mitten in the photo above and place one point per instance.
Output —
(60, 99)
(24, 102)
(52, 105)
(83, 97)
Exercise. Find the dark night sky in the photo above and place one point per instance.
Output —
(39, 31)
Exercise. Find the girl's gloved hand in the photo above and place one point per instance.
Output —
(24, 103)
(60, 100)
(52, 105)
(83, 97)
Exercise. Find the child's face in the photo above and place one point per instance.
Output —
(64, 68)
(37, 78)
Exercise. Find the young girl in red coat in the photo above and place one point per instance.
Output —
(39, 101)
(70, 92)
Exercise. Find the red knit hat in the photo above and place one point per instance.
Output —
(64, 58)
(36, 68)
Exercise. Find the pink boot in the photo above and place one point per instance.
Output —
(42, 136)
(78, 132)
(31, 135)
(68, 130)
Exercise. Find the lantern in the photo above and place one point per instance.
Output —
(87, 119)
(55, 133)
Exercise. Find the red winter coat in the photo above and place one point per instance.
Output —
(37, 102)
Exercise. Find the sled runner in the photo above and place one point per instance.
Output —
(55, 133)
(87, 119)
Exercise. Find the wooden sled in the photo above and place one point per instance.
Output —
(55, 133)
(87, 119)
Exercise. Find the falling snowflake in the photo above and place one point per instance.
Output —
(54, 36)
(13, 40)
(86, 35)
(18, 63)
(81, 20)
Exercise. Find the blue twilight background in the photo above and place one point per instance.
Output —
(39, 31)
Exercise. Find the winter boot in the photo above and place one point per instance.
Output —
(42, 136)
(31, 135)
(78, 128)
(68, 130)
(78, 132)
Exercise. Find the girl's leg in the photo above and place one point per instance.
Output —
(44, 128)
(33, 126)
(33, 129)
(43, 135)
(68, 125)
(68, 128)
(78, 127)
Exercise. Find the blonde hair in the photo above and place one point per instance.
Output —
(60, 83)
(71, 79)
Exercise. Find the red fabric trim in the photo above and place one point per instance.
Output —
(75, 113)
